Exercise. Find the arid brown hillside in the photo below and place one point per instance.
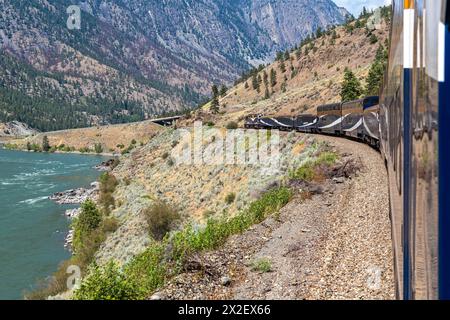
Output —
(311, 78)
(112, 138)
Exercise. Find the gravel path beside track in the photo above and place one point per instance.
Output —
(336, 245)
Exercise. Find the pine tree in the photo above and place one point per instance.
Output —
(215, 100)
(265, 79)
(223, 91)
(215, 105)
(319, 33)
(215, 91)
(45, 144)
(376, 72)
(279, 56)
(351, 87)
(283, 67)
(273, 78)
(255, 82)
(267, 93)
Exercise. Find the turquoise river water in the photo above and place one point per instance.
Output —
(33, 228)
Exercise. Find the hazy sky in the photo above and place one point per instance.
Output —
(355, 6)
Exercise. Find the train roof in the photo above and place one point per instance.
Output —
(330, 106)
(371, 101)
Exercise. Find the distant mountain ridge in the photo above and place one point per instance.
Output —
(137, 58)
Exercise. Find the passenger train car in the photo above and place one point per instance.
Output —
(409, 123)
(330, 118)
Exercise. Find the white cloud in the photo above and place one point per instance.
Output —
(356, 6)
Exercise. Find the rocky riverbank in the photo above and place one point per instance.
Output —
(76, 196)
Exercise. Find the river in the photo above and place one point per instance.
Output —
(33, 228)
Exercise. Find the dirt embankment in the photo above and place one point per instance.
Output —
(333, 244)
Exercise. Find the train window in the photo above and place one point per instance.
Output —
(371, 101)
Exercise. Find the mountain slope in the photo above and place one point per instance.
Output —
(134, 59)
(289, 21)
(312, 76)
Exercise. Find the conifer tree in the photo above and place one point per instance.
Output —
(265, 79)
(273, 78)
(45, 144)
(255, 82)
(215, 100)
(376, 72)
(223, 91)
(351, 87)
(283, 67)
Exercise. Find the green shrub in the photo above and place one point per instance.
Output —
(149, 269)
(84, 150)
(327, 158)
(128, 149)
(308, 171)
(165, 155)
(229, 199)
(91, 230)
(162, 260)
(108, 283)
(305, 172)
(11, 146)
(232, 125)
(88, 220)
(263, 265)
(98, 148)
(373, 39)
(108, 184)
(160, 219)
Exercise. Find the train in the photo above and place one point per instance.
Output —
(353, 119)
(408, 122)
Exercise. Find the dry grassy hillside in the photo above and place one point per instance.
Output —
(312, 78)
(113, 138)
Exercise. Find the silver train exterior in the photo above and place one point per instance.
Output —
(414, 129)
(410, 126)
(356, 115)
(330, 118)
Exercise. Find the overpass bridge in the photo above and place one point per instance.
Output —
(167, 121)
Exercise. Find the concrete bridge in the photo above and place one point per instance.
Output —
(166, 122)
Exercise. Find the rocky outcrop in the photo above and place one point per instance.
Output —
(288, 21)
(76, 196)
(16, 129)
